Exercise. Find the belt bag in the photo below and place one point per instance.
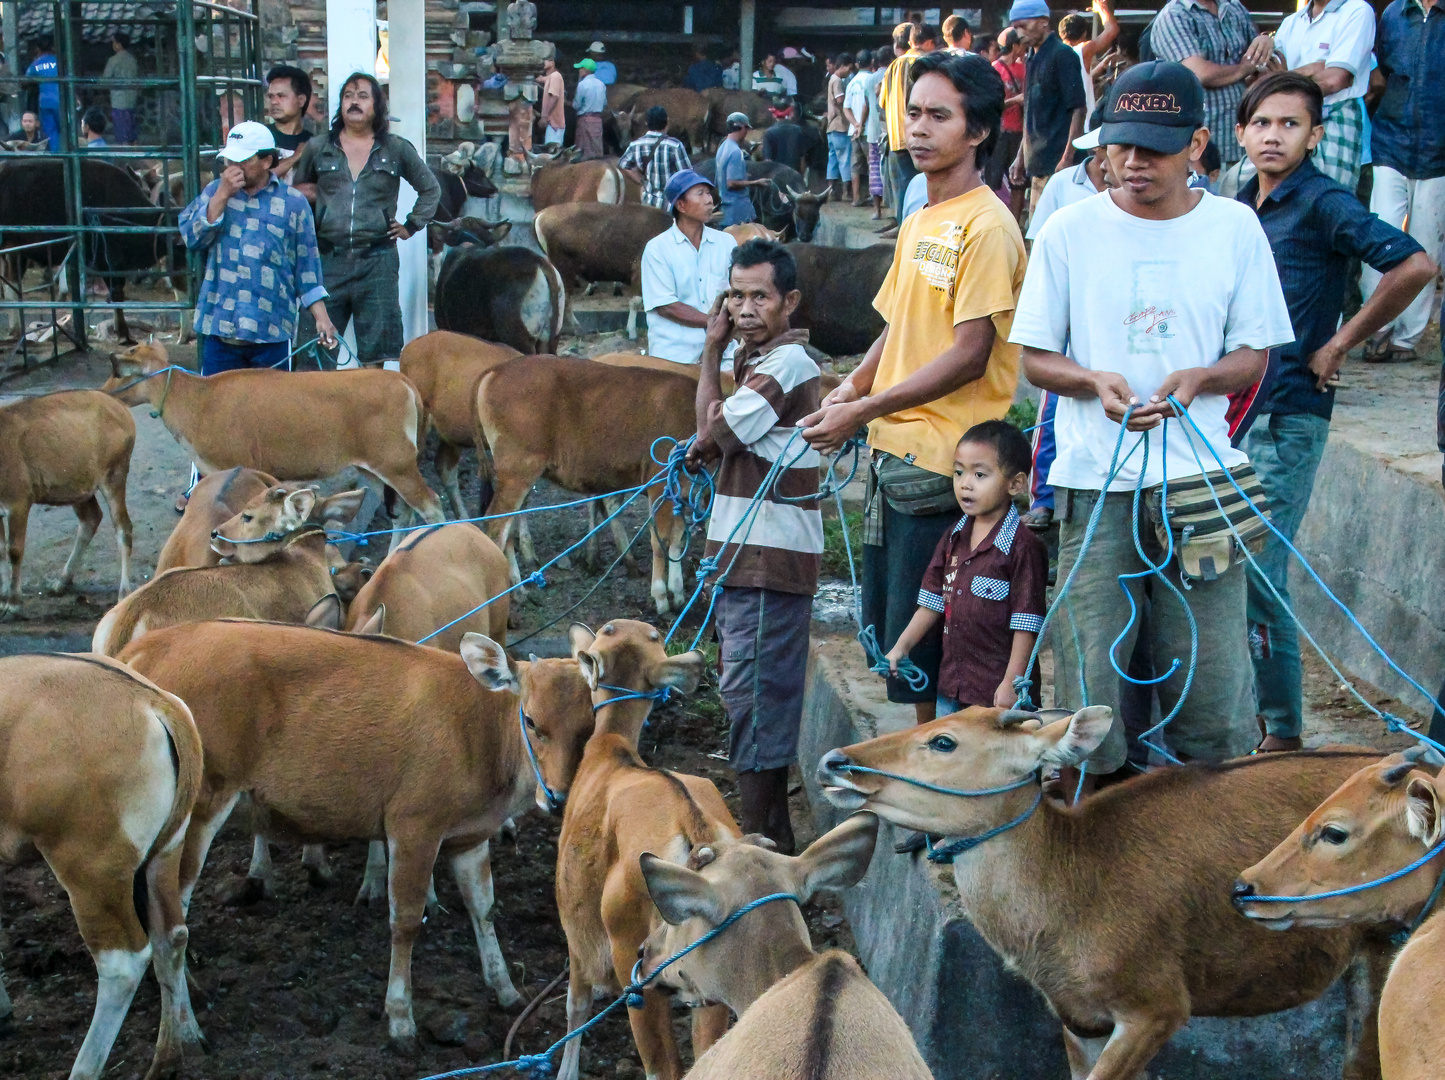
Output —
(911, 489)
(1204, 543)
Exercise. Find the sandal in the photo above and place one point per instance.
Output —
(1038, 518)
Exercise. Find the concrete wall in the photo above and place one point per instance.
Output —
(972, 1019)
(1375, 531)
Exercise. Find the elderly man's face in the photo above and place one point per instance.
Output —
(357, 104)
(1033, 31)
(30, 124)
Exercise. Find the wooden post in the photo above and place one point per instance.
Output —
(747, 29)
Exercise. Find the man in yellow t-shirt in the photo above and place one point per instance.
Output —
(943, 362)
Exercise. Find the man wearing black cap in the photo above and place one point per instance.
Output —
(1183, 301)
(684, 270)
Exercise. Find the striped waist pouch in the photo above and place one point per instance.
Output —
(1204, 542)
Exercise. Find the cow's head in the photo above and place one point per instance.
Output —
(1381, 819)
(129, 368)
(467, 231)
(807, 209)
(737, 967)
(262, 525)
(556, 707)
(347, 578)
(977, 749)
(541, 161)
(628, 653)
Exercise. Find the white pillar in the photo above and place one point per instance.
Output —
(406, 51)
(350, 46)
(747, 30)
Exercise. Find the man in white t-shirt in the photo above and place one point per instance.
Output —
(684, 270)
(1074, 184)
(1149, 290)
(1331, 41)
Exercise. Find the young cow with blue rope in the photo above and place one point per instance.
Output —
(1177, 311)
(768, 576)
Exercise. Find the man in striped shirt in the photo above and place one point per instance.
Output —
(766, 552)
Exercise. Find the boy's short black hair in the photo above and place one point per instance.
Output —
(923, 34)
(1210, 159)
(757, 252)
(1283, 82)
(94, 119)
(1015, 456)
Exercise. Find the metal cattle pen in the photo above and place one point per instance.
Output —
(199, 74)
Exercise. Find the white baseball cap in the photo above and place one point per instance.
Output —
(597, 47)
(1089, 140)
(247, 139)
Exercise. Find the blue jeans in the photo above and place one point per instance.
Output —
(1285, 451)
(946, 705)
(218, 354)
(1041, 493)
(840, 156)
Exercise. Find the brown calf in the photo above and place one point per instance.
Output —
(348, 737)
(803, 1016)
(434, 577)
(1386, 817)
(1118, 910)
(60, 450)
(619, 808)
(221, 496)
(292, 583)
(590, 429)
(446, 368)
(301, 425)
(557, 180)
(99, 769)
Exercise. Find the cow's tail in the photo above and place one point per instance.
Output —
(486, 467)
(539, 226)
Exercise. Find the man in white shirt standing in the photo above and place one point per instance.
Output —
(1149, 291)
(1331, 41)
(855, 111)
(684, 271)
(1074, 184)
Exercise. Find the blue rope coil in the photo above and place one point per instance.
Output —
(541, 1065)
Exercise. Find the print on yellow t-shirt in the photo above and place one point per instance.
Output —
(962, 259)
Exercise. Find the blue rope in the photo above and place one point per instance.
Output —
(662, 695)
(961, 793)
(537, 577)
(152, 375)
(541, 1065)
(1392, 723)
(946, 853)
(1024, 683)
(555, 802)
(1351, 890)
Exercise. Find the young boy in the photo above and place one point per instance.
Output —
(987, 578)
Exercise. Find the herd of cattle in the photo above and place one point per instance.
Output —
(259, 666)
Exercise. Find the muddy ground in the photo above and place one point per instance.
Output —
(294, 985)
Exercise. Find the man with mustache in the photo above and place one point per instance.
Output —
(353, 176)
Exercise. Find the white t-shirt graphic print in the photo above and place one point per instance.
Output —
(1147, 298)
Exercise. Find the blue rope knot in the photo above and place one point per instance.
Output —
(635, 999)
(909, 672)
(536, 1065)
(536, 578)
(1022, 686)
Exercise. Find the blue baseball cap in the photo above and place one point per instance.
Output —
(1028, 9)
(683, 182)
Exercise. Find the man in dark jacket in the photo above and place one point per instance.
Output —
(353, 177)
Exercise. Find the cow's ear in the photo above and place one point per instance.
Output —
(325, 614)
(375, 623)
(487, 661)
(680, 893)
(340, 508)
(1423, 811)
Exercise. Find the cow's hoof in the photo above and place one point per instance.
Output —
(57, 586)
(319, 877)
(242, 893)
(510, 1000)
(403, 1045)
(508, 831)
(368, 895)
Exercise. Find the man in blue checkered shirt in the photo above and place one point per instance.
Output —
(261, 259)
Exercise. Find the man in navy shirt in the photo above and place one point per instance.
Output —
(705, 72)
(1054, 99)
(1315, 226)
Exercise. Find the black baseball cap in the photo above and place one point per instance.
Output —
(1157, 105)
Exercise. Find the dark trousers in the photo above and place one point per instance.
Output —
(892, 573)
(901, 162)
(362, 288)
(763, 643)
(218, 354)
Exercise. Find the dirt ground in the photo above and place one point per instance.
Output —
(294, 985)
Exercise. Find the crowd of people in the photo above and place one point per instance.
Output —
(1152, 305)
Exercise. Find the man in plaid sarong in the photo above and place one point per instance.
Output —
(1338, 153)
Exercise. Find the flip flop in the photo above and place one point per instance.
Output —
(1038, 518)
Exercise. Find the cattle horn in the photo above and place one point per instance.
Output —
(1011, 717)
(793, 196)
(1420, 756)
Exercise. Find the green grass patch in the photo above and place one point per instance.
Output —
(835, 555)
(1023, 414)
